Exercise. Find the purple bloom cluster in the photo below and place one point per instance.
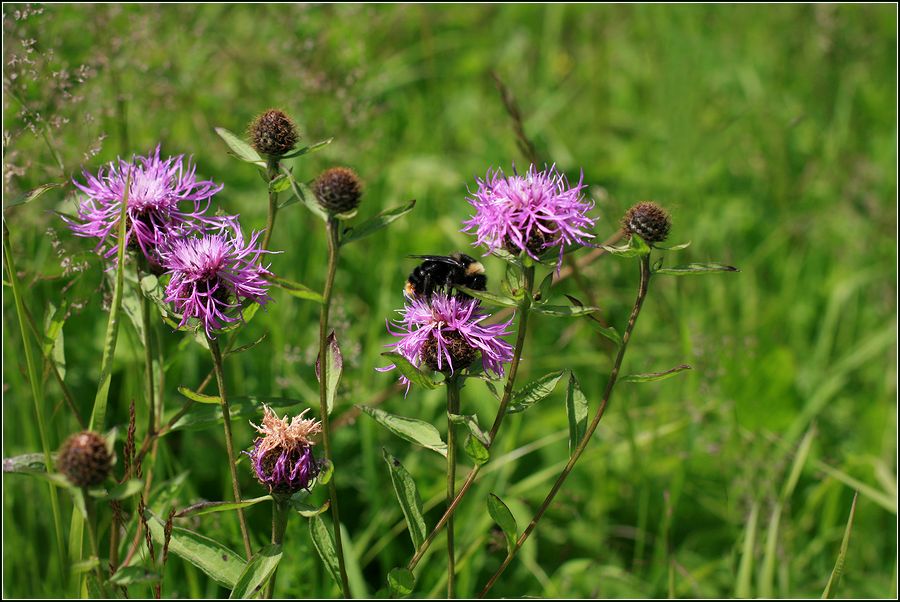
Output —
(156, 192)
(212, 268)
(282, 457)
(444, 329)
(530, 213)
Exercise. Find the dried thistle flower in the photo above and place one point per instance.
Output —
(273, 133)
(84, 459)
(338, 190)
(282, 458)
(649, 221)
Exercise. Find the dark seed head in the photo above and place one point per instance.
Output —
(536, 243)
(649, 221)
(461, 353)
(273, 133)
(84, 459)
(338, 189)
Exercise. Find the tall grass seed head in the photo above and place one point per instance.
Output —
(530, 213)
(338, 190)
(273, 133)
(84, 459)
(282, 458)
(212, 275)
(165, 199)
(649, 221)
(446, 334)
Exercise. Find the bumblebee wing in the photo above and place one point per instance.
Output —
(439, 258)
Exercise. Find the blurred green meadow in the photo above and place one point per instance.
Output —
(769, 132)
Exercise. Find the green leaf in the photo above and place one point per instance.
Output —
(564, 311)
(838, 569)
(416, 431)
(26, 463)
(504, 518)
(696, 268)
(206, 415)
(53, 346)
(401, 582)
(304, 195)
(334, 367)
(655, 376)
(544, 287)
(476, 450)
(534, 392)
(376, 223)
(408, 496)
(577, 412)
(745, 568)
(257, 572)
(119, 492)
(635, 247)
(323, 540)
(131, 575)
(409, 370)
(471, 423)
(608, 332)
(307, 510)
(678, 247)
(248, 346)
(490, 298)
(307, 149)
(326, 470)
(202, 508)
(279, 183)
(34, 194)
(239, 148)
(514, 283)
(199, 397)
(220, 563)
(295, 289)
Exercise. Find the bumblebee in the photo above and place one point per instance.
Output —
(445, 272)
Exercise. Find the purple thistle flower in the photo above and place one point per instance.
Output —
(446, 334)
(213, 274)
(529, 213)
(282, 458)
(157, 189)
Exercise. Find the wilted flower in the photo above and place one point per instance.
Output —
(530, 213)
(446, 334)
(282, 458)
(84, 459)
(213, 274)
(155, 193)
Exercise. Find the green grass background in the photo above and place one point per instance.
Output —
(770, 133)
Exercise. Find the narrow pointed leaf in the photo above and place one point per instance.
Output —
(257, 572)
(564, 311)
(677, 247)
(401, 582)
(248, 346)
(490, 298)
(409, 370)
(34, 194)
(408, 496)
(120, 492)
(655, 376)
(334, 367)
(838, 569)
(476, 450)
(201, 416)
(241, 149)
(199, 397)
(303, 194)
(696, 268)
(202, 508)
(534, 392)
(323, 541)
(376, 223)
(295, 289)
(131, 575)
(504, 518)
(416, 431)
(307, 149)
(471, 423)
(635, 247)
(577, 412)
(309, 511)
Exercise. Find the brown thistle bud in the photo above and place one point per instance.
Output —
(84, 459)
(273, 133)
(649, 221)
(338, 189)
(462, 354)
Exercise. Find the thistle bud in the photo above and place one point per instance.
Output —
(282, 458)
(649, 221)
(84, 459)
(338, 190)
(273, 133)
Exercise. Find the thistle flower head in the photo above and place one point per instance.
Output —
(530, 213)
(649, 221)
(84, 459)
(338, 189)
(165, 199)
(445, 333)
(212, 274)
(273, 133)
(282, 457)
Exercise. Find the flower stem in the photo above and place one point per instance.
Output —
(333, 247)
(272, 167)
(229, 446)
(452, 408)
(614, 375)
(524, 307)
(279, 524)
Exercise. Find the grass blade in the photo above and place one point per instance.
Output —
(838, 569)
(745, 571)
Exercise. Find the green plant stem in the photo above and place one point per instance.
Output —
(36, 393)
(91, 524)
(452, 409)
(582, 445)
(524, 308)
(272, 168)
(280, 515)
(333, 248)
(148, 361)
(229, 445)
